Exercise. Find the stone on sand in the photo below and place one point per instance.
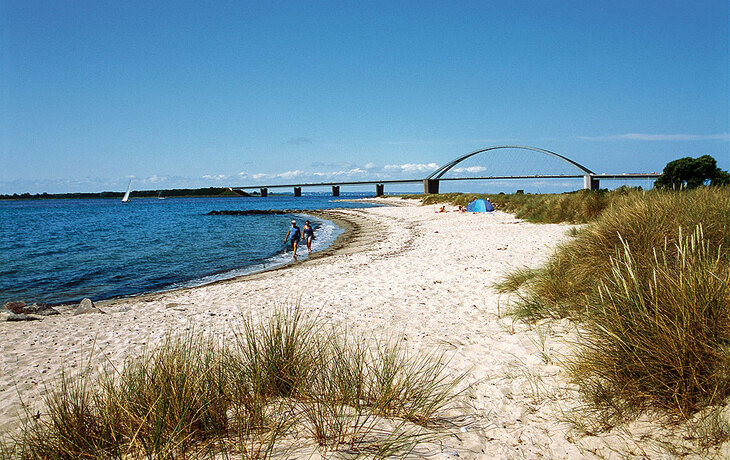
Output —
(21, 308)
(21, 317)
(14, 306)
(86, 306)
(41, 309)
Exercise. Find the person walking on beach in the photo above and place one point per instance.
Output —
(308, 235)
(293, 235)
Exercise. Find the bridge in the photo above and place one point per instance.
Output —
(591, 180)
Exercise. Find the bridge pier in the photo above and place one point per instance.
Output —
(264, 192)
(297, 191)
(379, 189)
(430, 186)
(335, 190)
(591, 183)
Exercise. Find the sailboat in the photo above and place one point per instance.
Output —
(126, 194)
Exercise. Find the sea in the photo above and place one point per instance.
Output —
(60, 251)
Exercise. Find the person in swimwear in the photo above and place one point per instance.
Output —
(308, 235)
(293, 235)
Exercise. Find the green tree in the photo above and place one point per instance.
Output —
(722, 178)
(691, 172)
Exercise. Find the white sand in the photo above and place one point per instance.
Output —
(424, 277)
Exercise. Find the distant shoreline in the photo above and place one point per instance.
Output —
(206, 192)
(153, 194)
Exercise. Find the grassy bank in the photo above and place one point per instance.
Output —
(649, 281)
(287, 385)
(575, 208)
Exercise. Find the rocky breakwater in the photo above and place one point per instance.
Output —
(258, 211)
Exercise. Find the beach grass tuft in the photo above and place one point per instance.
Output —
(287, 381)
(647, 221)
(659, 340)
(648, 281)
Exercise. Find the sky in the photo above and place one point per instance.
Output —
(168, 94)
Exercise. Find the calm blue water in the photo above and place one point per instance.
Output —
(58, 251)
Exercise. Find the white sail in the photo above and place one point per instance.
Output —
(126, 194)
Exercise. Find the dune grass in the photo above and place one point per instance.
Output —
(646, 221)
(575, 207)
(285, 382)
(649, 282)
(659, 339)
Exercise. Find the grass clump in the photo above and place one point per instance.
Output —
(646, 221)
(284, 382)
(660, 341)
(158, 405)
(649, 283)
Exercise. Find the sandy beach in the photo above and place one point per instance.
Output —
(401, 271)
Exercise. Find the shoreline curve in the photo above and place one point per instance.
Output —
(356, 234)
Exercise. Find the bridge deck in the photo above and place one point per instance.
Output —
(415, 181)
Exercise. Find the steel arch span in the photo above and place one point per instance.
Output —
(438, 173)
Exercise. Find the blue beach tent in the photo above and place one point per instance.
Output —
(479, 206)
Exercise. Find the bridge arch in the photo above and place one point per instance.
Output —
(438, 173)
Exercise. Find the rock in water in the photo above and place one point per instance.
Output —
(86, 306)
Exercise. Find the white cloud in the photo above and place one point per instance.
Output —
(342, 172)
(153, 179)
(290, 174)
(367, 171)
(412, 167)
(660, 137)
(470, 169)
(215, 176)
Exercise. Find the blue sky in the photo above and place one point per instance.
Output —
(189, 94)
